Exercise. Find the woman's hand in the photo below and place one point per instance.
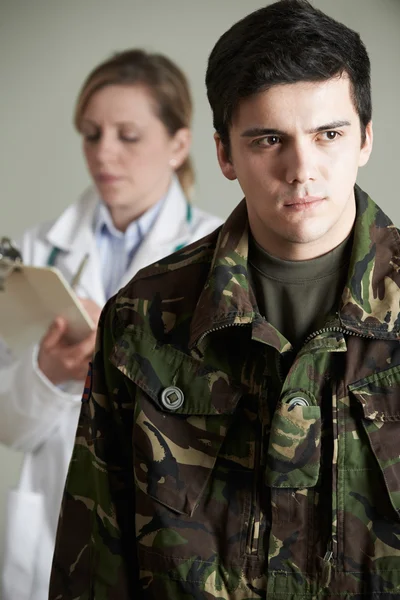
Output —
(62, 361)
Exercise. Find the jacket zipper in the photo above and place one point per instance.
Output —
(254, 529)
(279, 366)
(201, 338)
(253, 535)
(254, 525)
(335, 329)
(328, 562)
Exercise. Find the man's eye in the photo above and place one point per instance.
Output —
(331, 135)
(269, 140)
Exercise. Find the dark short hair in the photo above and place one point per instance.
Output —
(286, 42)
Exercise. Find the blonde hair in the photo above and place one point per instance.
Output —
(164, 80)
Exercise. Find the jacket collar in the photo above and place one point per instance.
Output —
(371, 298)
(370, 301)
(227, 298)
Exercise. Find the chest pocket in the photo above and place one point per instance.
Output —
(379, 397)
(183, 410)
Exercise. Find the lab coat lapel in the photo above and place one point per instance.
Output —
(170, 230)
(73, 234)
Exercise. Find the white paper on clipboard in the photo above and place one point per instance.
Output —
(31, 299)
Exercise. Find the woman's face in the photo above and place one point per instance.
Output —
(129, 152)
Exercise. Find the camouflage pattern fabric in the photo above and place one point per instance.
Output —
(201, 470)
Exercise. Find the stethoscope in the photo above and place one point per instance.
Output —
(55, 251)
(51, 261)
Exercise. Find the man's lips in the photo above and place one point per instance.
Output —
(303, 200)
(303, 203)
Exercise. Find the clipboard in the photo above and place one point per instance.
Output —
(31, 298)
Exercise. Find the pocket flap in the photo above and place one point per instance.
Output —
(379, 395)
(176, 448)
(153, 368)
(295, 447)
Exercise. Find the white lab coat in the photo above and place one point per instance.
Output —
(40, 419)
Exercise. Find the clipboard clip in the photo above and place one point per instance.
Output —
(10, 259)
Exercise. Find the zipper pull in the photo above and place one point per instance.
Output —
(326, 575)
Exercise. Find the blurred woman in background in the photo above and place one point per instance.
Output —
(134, 114)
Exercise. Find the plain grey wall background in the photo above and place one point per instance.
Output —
(49, 46)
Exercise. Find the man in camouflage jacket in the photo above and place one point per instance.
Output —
(214, 458)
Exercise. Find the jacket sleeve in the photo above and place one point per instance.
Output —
(30, 405)
(95, 552)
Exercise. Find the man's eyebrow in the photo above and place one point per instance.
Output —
(264, 131)
(259, 131)
(329, 126)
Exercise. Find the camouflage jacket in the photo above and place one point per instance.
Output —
(200, 471)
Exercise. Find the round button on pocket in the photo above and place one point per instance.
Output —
(172, 397)
(297, 401)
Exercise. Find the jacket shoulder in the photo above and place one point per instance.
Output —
(175, 281)
(198, 253)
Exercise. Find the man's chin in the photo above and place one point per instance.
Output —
(304, 235)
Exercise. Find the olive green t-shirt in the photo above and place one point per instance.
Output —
(296, 297)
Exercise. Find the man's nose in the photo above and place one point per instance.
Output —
(301, 163)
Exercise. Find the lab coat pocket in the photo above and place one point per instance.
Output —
(25, 511)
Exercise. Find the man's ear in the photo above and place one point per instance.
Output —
(224, 159)
(366, 148)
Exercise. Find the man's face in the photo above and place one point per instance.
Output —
(295, 150)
